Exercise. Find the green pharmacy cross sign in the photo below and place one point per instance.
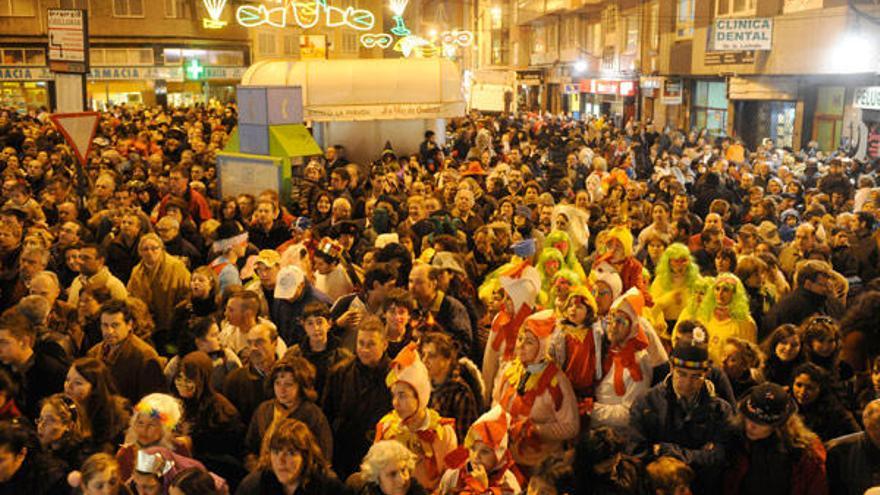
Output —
(194, 70)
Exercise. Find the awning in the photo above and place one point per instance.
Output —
(284, 141)
(367, 89)
(763, 88)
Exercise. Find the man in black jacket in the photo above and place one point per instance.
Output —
(682, 418)
(356, 397)
(854, 460)
(814, 295)
(40, 370)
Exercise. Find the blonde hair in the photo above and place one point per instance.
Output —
(383, 453)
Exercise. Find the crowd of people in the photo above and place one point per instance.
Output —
(532, 304)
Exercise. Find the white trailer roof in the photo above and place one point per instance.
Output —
(367, 89)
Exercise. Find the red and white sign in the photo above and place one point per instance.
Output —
(78, 130)
(609, 87)
(68, 40)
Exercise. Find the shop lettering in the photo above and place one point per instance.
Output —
(742, 34)
(305, 15)
(16, 74)
(867, 98)
(116, 73)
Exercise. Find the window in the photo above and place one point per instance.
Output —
(734, 7)
(552, 37)
(632, 34)
(178, 9)
(74, 4)
(349, 42)
(291, 43)
(609, 21)
(539, 36)
(684, 19)
(654, 25)
(266, 44)
(23, 56)
(710, 107)
(17, 8)
(121, 56)
(128, 8)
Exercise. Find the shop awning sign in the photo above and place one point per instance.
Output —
(867, 98)
(78, 130)
(68, 41)
(741, 34)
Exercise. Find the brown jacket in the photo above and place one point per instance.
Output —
(135, 367)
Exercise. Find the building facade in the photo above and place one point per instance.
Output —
(788, 70)
(142, 51)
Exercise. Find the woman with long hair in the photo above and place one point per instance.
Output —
(291, 463)
(293, 385)
(99, 475)
(818, 405)
(91, 386)
(776, 453)
(61, 430)
(675, 279)
(782, 354)
(215, 427)
(203, 334)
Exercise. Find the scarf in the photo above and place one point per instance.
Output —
(625, 358)
(505, 329)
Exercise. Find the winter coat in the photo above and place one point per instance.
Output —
(307, 412)
(135, 367)
(355, 398)
(162, 288)
(762, 463)
(798, 305)
(264, 482)
(699, 437)
(853, 464)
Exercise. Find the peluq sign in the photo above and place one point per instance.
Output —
(742, 34)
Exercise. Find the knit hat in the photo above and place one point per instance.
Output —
(522, 290)
(490, 429)
(408, 368)
(692, 355)
(473, 168)
(523, 211)
(525, 248)
(768, 404)
(631, 302)
(541, 325)
(229, 234)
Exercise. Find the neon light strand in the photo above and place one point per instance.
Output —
(305, 15)
(215, 10)
(381, 40)
(400, 28)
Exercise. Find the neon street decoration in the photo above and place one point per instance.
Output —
(215, 10)
(398, 7)
(381, 40)
(194, 69)
(457, 37)
(416, 45)
(306, 15)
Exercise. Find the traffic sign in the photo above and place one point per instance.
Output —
(68, 40)
(78, 130)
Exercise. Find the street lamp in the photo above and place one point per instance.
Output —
(580, 66)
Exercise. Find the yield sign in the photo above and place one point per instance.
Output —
(79, 130)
